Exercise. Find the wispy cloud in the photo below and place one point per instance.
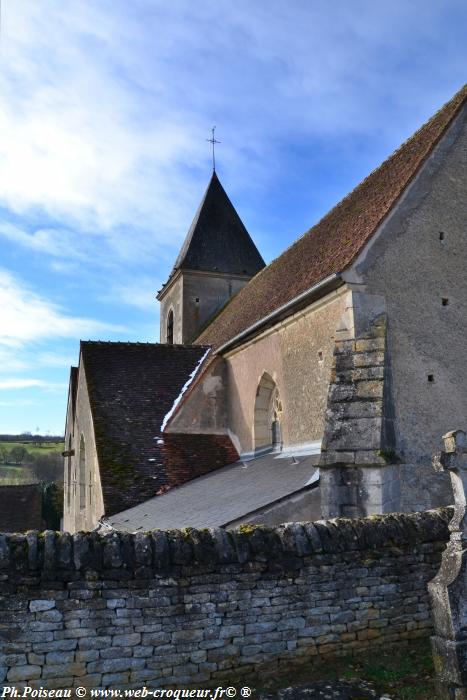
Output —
(54, 242)
(21, 383)
(139, 293)
(54, 359)
(26, 316)
(105, 108)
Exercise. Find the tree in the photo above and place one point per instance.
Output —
(4, 454)
(48, 467)
(17, 454)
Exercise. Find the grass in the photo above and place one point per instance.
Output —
(10, 475)
(34, 449)
(404, 672)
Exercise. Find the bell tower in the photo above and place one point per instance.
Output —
(217, 259)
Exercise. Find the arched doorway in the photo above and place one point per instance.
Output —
(268, 415)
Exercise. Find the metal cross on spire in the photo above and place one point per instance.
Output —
(213, 141)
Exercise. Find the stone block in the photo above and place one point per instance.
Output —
(59, 670)
(126, 640)
(114, 680)
(116, 653)
(90, 680)
(187, 636)
(24, 673)
(95, 643)
(40, 605)
(60, 657)
(142, 651)
(369, 344)
(55, 645)
(115, 665)
(13, 660)
(90, 655)
(231, 631)
(296, 623)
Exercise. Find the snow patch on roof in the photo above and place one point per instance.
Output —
(185, 387)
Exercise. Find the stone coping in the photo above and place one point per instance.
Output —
(140, 555)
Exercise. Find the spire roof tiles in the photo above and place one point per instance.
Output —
(217, 240)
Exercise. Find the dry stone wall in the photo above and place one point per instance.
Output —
(198, 607)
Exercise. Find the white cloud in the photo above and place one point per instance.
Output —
(107, 106)
(23, 383)
(55, 359)
(27, 317)
(55, 242)
(140, 293)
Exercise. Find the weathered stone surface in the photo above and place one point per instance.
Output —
(240, 599)
(24, 673)
(39, 605)
(448, 590)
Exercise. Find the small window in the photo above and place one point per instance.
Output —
(197, 300)
(441, 235)
(170, 327)
(320, 355)
(445, 301)
(431, 378)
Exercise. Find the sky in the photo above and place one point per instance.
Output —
(105, 111)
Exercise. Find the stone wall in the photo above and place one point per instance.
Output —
(297, 354)
(202, 607)
(359, 466)
(79, 423)
(416, 260)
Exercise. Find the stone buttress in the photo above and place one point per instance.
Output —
(358, 466)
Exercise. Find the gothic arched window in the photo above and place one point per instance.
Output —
(170, 327)
(82, 474)
(69, 477)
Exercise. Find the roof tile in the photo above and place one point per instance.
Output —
(335, 241)
(131, 388)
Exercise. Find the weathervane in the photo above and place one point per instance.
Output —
(213, 141)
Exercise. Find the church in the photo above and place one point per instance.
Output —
(316, 386)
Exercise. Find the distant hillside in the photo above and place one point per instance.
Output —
(30, 438)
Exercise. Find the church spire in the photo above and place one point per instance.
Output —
(217, 240)
(217, 259)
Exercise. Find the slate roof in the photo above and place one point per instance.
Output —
(20, 508)
(217, 240)
(219, 498)
(131, 388)
(335, 241)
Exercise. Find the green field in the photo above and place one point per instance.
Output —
(34, 449)
(16, 475)
(24, 473)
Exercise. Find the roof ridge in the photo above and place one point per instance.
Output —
(361, 184)
(337, 238)
(183, 346)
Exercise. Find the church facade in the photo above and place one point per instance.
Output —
(345, 353)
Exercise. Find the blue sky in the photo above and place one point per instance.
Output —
(105, 108)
